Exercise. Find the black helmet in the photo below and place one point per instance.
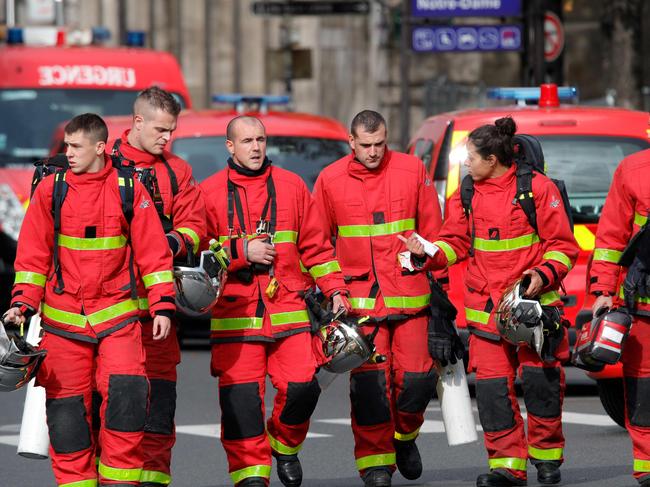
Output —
(19, 361)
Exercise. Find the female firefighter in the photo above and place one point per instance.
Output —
(490, 227)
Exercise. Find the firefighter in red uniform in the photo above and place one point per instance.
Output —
(181, 210)
(266, 219)
(77, 264)
(367, 199)
(502, 247)
(624, 216)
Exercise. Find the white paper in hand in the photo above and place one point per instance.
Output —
(429, 247)
(404, 259)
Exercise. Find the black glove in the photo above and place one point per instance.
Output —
(637, 282)
(442, 338)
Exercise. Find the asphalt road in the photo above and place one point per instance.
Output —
(598, 453)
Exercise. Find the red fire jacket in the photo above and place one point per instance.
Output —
(505, 244)
(626, 209)
(186, 208)
(298, 238)
(95, 243)
(365, 210)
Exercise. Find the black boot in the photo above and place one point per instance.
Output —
(496, 479)
(408, 458)
(377, 477)
(152, 484)
(252, 482)
(289, 470)
(645, 482)
(548, 473)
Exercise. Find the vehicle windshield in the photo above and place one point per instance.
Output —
(29, 117)
(586, 164)
(305, 156)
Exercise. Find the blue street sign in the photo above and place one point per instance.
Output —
(466, 8)
(467, 38)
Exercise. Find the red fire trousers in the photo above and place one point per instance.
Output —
(67, 375)
(496, 364)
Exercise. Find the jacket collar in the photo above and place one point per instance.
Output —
(100, 175)
(358, 170)
(132, 154)
(499, 183)
(244, 177)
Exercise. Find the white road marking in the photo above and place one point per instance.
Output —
(11, 440)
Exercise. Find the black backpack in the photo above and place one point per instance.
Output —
(529, 159)
(58, 165)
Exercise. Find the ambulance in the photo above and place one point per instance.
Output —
(46, 80)
(582, 145)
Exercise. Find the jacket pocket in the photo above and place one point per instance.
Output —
(475, 284)
(356, 274)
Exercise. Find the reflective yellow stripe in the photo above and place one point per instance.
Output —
(383, 460)
(507, 244)
(290, 317)
(560, 257)
(448, 251)
(511, 463)
(639, 219)
(407, 436)
(157, 278)
(155, 477)
(254, 471)
(126, 474)
(111, 312)
(321, 270)
(281, 448)
(193, 235)
(72, 319)
(81, 483)
(362, 303)
(24, 277)
(223, 324)
(222, 238)
(641, 465)
(547, 454)
(143, 304)
(549, 297)
(477, 316)
(585, 237)
(302, 267)
(638, 299)
(99, 243)
(607, 255)
(285, 236)
(407, 301)
(377, 230)
(96, 318)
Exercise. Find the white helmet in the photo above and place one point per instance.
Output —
(198, 288)
(519, 320)
(345, 345)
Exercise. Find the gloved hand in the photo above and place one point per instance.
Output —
(445, 347)
(637, 282)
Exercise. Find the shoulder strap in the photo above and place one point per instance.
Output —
(58, 195)
(466, 196)
(172, 175)
(126, 184)
(524, 194)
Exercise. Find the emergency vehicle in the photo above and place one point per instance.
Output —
(46, 81)
(582, 145)
(300, 142)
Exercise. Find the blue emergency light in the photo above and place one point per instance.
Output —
(241, 101)
(15, 35)
(529, 93)
(135, 38)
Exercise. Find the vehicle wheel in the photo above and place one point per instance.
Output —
(613, 399)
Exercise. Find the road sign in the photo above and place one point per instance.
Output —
(312, 8)
(553, 37)
(465, 8)
(466, 38)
